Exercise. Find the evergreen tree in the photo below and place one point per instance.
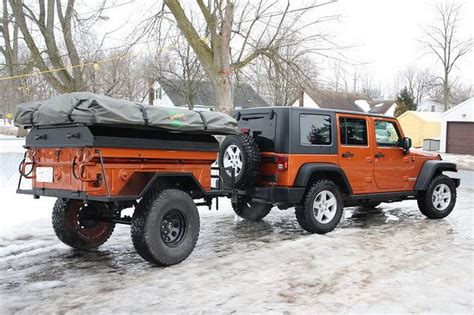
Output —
(405, 101)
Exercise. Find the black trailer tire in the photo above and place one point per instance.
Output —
(251, 210)
(77, 231)
(240, 152)
(438, 200)
(165, 227)
(325, 198)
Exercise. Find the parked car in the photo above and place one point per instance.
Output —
(321, 161)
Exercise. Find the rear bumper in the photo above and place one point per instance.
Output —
(81, 195)
(278, 195)
(68, 194)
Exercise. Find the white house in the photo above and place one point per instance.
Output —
(329, 99)
(429, 106)
(171, 93)
(386, 107)
(457, 129)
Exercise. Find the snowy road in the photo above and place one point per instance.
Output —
(390, 259)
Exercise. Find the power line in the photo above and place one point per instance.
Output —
(90, 63)
(98, 62)
(81, 65)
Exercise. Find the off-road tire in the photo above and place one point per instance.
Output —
(147, 222)
(250, 160)
(66, 225)
(425, 203)
(305, 214)
(251, 210)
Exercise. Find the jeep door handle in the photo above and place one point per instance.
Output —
(347, 154)
(379, 155)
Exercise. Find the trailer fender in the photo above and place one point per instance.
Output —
(182, 181)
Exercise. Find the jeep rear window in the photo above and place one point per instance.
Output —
(315, 129)
(353, 131)
(262, 127)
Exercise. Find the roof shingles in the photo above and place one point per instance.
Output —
(380, 107)
(244, 95)
(337, 100)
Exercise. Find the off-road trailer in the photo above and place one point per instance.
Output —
(96, 171)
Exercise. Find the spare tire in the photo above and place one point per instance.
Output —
(241, 153)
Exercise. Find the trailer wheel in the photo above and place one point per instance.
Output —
(75, 225)
(165, 227)
(241, 153)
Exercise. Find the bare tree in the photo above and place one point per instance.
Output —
(339, 76)
(442, 39)
(176, 65)
(12, 90)
(418, 81)
(62, 80)
(9, 34)
(122, 76)
(48, 31)
(21, 88)
(259, 29)
(369, 89)
(461, 92)
(279, 80)
(347, 76)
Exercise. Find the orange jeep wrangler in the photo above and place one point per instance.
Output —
(321, 161)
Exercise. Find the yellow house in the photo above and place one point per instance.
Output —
(420, 125)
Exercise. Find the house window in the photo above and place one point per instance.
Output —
(353, 131)
(315, 129)
(432, 108)
(159, 93)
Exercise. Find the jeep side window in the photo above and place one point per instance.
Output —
(386, 134)
(353, 131)
(315, 129)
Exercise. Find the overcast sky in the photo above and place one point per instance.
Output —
(388, 32)
(384, 32)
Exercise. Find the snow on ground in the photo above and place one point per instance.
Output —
(463, 161)
(389, 259)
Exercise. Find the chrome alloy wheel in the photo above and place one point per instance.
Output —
(233, 159)
(441, 197)
(325, 206)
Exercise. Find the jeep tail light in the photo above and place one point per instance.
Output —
(282, 162)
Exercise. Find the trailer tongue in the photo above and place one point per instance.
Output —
(99, 156)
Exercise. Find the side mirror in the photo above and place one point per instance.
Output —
(406, 144)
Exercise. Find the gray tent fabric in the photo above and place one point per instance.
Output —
(90, 108)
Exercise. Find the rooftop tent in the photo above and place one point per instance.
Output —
(89, 108)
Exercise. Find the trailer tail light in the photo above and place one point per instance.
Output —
(282, 162)
(245, 130)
